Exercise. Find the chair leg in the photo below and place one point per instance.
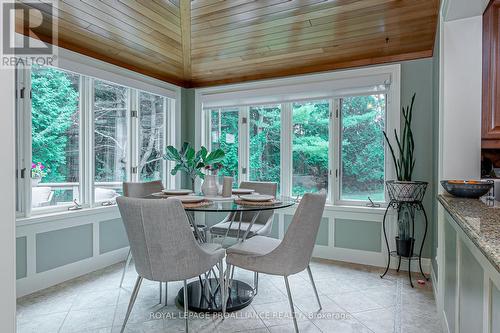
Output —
(127, 263)
(166, 293)
(256, 282)
(186, 305)
(314, 286)
(227, 286)
(132, 301)
(161, 292)
(291, 304)
(222, 288)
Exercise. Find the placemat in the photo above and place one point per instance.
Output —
(197, 204)
(256, 203)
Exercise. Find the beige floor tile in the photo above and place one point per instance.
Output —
(379, 321)
(88, 319)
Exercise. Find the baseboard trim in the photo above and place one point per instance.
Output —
(368, 258)
(39, 281)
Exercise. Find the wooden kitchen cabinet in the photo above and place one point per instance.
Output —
(490, 131)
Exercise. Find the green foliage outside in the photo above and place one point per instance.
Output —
(362, 152)
(55, 122)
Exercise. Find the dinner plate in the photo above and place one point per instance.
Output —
(177, 192)
(189, 198)
(257, 197)
(243, 191)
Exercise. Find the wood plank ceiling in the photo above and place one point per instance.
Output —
(206, 42)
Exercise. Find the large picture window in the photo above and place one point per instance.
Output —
(79, 138)
(317, 133)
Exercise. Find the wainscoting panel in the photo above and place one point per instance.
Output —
(21, 264)
(358, 235)
(112, 236)
(61, 247)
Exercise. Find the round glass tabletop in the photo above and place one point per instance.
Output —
(229, 205)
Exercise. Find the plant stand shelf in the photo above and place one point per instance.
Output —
(413, 207)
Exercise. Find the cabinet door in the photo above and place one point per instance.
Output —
(491, 77)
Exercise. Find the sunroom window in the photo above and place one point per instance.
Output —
(80, 137)
(111, 139)
(55, 133)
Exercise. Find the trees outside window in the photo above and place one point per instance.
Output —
(362, 147)
(310, 145)
(265, 146)
(224, 134)
(151, 136)
(110, 138)
(55, 126)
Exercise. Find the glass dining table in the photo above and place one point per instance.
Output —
(204, 293)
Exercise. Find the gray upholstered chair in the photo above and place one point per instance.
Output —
(287, 257)
(235, 225)
(163, 245)
(263, 223)
(139, 190)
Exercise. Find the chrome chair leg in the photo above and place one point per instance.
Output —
(127, 263)
(186, 305)
(161, 293)
(256, 282)
(166, 293)
(133, 297)
(314, 286)
(291, 304)
(222, 288)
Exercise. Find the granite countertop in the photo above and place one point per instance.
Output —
(479, 221)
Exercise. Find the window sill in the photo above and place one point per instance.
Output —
(62, 215)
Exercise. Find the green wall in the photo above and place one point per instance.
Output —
(417, 77)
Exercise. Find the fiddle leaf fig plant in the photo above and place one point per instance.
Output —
(192, 162)
(405, 161)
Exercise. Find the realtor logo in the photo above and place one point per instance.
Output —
(28, 34)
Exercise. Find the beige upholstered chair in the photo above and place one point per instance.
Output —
(163, 245)
(140, 190)
(287, 257)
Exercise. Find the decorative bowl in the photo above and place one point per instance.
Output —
(467, 188)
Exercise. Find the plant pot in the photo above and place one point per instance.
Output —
(406, 191)
(210, 187)
(35, 181)
(404, 247)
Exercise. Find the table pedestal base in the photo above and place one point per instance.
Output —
(204, 299)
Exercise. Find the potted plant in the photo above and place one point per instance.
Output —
(192, 162)
(404, 190)
(37, 173)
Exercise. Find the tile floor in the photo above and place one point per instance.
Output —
(354, 299)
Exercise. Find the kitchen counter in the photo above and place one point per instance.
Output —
(479, 221)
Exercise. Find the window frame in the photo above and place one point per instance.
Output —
(392, 120)
(171, 135)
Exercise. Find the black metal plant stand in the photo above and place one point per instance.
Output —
(412, 201)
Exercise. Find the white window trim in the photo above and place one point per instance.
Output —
(392, 122)
(90, 69)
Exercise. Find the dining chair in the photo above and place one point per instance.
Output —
(288, 256)
(235, 226)
(231, 226)
(164, 247)
(140, 190)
